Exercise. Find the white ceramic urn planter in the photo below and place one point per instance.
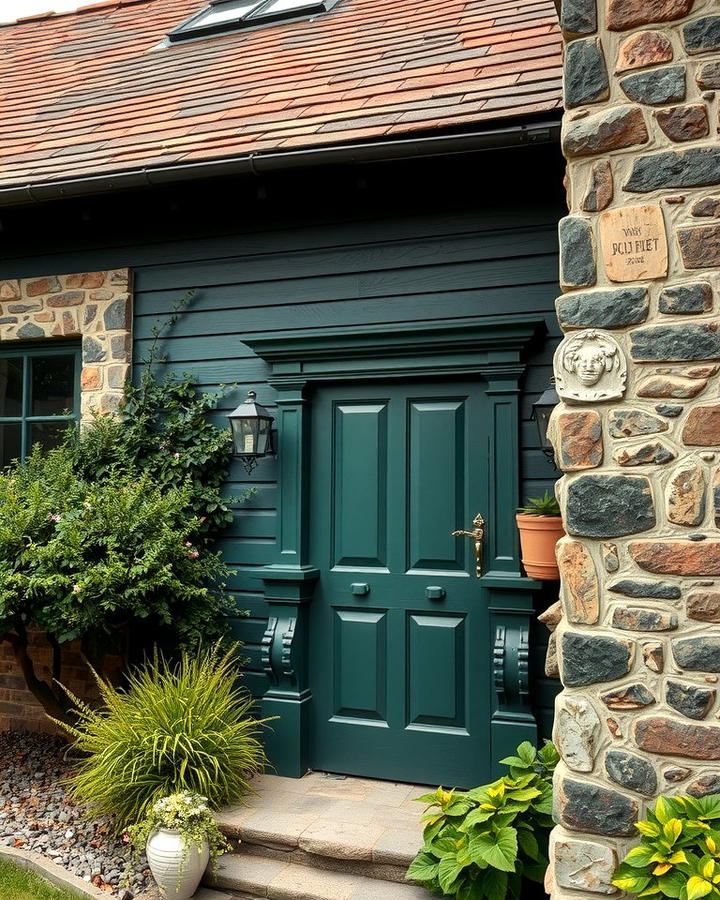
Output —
(178, 871)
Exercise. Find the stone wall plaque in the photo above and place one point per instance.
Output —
(634, 243)
(590, 367)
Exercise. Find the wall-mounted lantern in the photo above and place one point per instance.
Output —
(252, 432)
(541, 410)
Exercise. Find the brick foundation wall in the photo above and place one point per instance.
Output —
(96, 307)
(637, 432)
(19, 711)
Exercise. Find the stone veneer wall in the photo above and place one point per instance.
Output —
(638, 429)
(96, 307)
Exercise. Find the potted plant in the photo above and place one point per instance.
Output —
(180, 836)
(540, 527)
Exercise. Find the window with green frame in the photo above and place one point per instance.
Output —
(39, 397)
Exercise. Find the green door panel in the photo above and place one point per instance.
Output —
(399, 630)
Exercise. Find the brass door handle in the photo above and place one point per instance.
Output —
(477, 535)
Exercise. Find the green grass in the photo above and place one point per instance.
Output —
(18, 884)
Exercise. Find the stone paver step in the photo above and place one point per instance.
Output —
(261, 877)
(352, 819)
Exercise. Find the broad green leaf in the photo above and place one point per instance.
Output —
(527, 753)
(495, 884)
(528, 844)
(632, 883)
(497, 850)
(648, 829)
(448, 871)
(640, 856)
(423, 868)
(662, 810)
(698, 887)
(672, 884)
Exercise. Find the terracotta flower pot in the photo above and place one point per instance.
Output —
(538, 536)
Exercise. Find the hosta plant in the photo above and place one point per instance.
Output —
(679, 852)
(187, 726)
(482, 843)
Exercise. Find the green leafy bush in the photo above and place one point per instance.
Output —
(483, 843)
(679, 853)
(176, 727)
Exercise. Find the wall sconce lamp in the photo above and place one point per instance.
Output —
(542, 407)
(252, 432)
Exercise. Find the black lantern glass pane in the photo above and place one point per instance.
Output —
(263, 445)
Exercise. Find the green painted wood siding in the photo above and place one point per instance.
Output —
(462, 246)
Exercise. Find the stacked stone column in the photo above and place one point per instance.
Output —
(637, 432)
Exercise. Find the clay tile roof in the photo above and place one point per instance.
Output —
(91, 92)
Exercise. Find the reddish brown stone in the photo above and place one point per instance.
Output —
(580, 440)
(654, 656)
(623, 126)
(623, 14)
(699, 558)
(90, 378)
(69, 323)
(676, 774)
(42, 286)
(9, 290)
(684, 123)
(672, 386)
(652, 453)
(700, 246)
(44, 317)
(702, 427)
(600, 187)
(706, 371)
(102, 295)
(703, 606)
(670, 737)
(582, 595)
(614, 728)
(632, 696)
(85, 280)
(704, 786)
(686, 495)
(646, 48)
(708, 78)
(707, 207)
(69, 298)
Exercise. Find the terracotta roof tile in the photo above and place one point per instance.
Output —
(93, 92)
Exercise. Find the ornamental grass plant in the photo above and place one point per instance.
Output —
(185, 726)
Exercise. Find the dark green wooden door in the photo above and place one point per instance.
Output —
(400, 646)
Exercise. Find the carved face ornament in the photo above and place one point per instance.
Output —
(590, 366)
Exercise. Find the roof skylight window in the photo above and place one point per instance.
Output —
(228, 15)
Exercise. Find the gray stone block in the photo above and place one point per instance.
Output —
(586, 78)
(589, 659)
(606, 506)
(604, 309)
(694, 167)
(654, 88)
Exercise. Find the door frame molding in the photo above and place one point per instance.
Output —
(491, 347)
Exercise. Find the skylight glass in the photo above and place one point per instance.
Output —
(227, 15)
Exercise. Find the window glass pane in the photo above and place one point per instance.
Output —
(9, 442)
(47, 434)
(219, 14)
(280, 6)
(11, 386)
(52, 385)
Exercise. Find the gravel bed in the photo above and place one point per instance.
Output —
(37, 814)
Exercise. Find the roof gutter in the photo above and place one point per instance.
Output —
(543, 132)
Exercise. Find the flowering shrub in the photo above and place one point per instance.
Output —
(189, 815)
(679, 852)
(92, 559)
